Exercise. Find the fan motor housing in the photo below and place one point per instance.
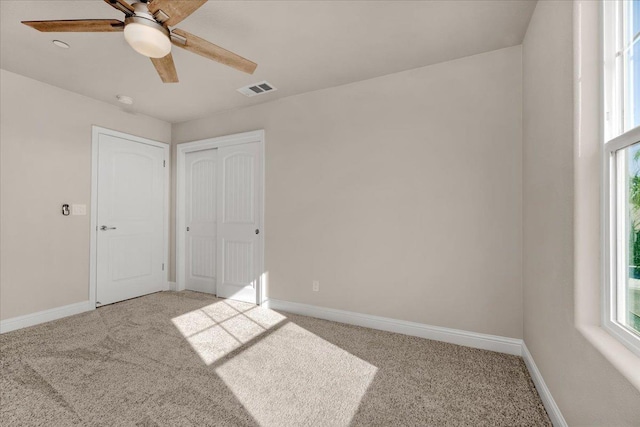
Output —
(150, 22)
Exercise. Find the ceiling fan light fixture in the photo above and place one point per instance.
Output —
(147, 37)
(146, 30)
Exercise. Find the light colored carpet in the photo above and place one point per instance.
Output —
(189, 359)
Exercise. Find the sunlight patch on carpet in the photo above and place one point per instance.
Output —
(219, 328)
(292, 377)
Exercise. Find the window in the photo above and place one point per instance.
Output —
(622, 170)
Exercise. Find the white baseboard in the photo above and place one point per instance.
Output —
(547, 399)
(173, 286)
(32, 319)
(453, 336)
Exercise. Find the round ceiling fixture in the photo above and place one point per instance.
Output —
(145, 35)
(61, 44)
(125, 99)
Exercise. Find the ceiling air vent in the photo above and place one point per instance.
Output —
(257, 89)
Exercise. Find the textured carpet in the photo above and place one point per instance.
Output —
(189, 359)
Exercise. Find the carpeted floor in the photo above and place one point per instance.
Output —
(189, 359)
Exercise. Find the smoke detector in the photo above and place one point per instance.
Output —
(125, 99)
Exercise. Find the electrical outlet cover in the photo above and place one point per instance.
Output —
(78, 209)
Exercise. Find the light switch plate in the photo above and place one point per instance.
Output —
(78, 209)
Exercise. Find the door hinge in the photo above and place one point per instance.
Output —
(164, 163)
(163, 266)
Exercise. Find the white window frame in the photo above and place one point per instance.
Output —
(614, 236)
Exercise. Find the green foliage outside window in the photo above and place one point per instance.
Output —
(633, 297)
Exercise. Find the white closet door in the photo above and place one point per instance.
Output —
(201, 214)
(130, 215)
(239, 172)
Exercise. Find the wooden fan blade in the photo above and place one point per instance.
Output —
(176, 10)
(77, 25)
(121, 5)
(209, 50)
(166, 69)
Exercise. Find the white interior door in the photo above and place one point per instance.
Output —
(130, 219)
(239, 185)
(201, 213)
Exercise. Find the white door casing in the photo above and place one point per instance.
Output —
(129, 217)
(238, 225)
(201, 224)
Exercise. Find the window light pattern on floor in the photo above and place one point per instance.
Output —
(304, 376)
(274, 363)
(218, 329)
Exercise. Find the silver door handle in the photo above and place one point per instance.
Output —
(104, 228)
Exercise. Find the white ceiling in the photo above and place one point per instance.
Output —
(299, 46)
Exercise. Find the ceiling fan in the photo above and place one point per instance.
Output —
(146, 29)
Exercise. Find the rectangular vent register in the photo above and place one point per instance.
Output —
(257, 89)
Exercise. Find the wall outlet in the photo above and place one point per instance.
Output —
(316, 286)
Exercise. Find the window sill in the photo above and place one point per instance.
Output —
(623, 359)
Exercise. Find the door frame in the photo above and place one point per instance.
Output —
(96, 131)
(207, 144)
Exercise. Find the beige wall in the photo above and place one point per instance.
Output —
(588, 390)
(400, 194)
(45, 150)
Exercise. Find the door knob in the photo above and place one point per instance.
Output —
(104, 228)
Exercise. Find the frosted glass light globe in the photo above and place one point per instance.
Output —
(146, 40)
